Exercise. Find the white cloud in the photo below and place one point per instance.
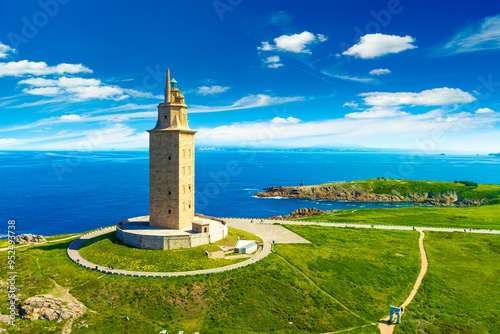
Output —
(115, 136)
(212, 90)
(378, 112)
(351, 104)
(431, 97)
(295, 43)
(322, 38)
(81, 89)
(482, 35)
(272, 59)
(248, 102)
(138, 93)
(349, 77)
(44, 91)
(5, 50)
(71, 117)
(273, 62)
(288, 120)
(397, 132)
(5, 142)
(23, 67)
(376, 45)
(484, 111)
(380, 71)
(265, 46)
(96, 92)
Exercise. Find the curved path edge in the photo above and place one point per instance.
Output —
(75, 256)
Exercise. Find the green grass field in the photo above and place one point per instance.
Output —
(486, 217)
(490, 192)
(268, 296)
(295, 290)
(106, 249)
(367, 270)
(460, 293)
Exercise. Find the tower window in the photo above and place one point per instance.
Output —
(189, 187)
(169, 158)
(169, 211)
(165, 116)
(169, 193)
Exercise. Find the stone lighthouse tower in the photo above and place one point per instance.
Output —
(171, 164)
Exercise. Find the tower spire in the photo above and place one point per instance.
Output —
(167, 88)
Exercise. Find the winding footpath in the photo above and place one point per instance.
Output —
(385, 326)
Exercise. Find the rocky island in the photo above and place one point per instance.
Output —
(434, 193)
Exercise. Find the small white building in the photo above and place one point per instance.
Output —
(245, 246)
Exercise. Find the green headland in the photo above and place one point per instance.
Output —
(433, 193)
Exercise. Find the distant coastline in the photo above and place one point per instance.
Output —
(433, 193)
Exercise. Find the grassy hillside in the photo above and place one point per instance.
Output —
(464, 217)
(460, 293)
(382, 186)
(269, 296)
(298, 289)
(366, 270)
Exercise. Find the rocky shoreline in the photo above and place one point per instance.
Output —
(356, 193)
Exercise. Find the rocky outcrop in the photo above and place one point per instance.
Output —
(494, 154)
(50, 308)
(302, 212)
(356, 193)
(29, 238)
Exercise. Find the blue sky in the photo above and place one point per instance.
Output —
(87, 75)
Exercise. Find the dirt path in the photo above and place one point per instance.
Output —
(40, 243)
(384, 325)
(62, 292)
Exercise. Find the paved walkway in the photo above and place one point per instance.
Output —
(267, 230)
(39, 243)
(378, 227)
(272, 232)
(268, 234)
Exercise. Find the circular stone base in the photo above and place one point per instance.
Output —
(136, 232)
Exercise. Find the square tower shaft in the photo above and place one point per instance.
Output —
(171, 164)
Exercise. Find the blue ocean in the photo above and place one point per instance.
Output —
(64, 192)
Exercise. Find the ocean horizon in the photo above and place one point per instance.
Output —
(66, 192)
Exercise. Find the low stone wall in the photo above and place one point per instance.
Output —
(165, 242)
